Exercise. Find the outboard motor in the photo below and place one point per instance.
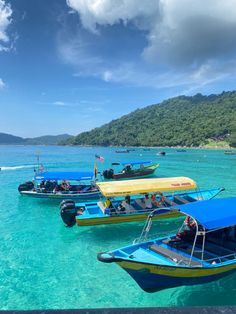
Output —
(27, 186)
(108, 174)
(105, 174)
(68, 212)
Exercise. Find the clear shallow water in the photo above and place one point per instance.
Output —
(44, 265)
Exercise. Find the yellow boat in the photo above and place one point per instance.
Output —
(134, 200)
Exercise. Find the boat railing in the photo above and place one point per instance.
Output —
(221, 259)
(154, 236)
(147, 227)
(213, 261)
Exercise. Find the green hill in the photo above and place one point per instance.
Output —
(179, 121)
(10, 139)
(7, 139)
(47, 139)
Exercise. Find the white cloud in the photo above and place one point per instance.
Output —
(2, 84)
(59, 103)
(191, 33)
(5, 20)
(110, 12)
(188, 42)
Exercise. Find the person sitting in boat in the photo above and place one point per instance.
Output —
(147, 202)
(155, 202)
(127, 169)
(56, 189)
(189, 232)
(108, 207)
(162, 198)
(65, 185)
(127, 205)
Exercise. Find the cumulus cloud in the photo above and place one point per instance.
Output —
(188, 42)
(192, 32)
(5, 20)
(108, 12)
(179, 32)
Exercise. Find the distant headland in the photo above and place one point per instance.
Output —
(8, 139)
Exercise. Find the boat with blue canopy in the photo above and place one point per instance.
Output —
(131, 169)
(134, 200)
(203, 250)
(59, 185)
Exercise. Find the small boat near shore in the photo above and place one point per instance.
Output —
(123, 151)
(59, 186)
(202, 251)
(131, 169)
(134, 200)
(229, 152)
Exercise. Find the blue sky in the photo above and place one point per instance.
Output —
(67, 66)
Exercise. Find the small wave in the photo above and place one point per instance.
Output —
(17, 167)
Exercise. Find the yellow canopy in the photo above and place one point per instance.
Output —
(141, 186)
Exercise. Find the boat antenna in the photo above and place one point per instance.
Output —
(38, 153)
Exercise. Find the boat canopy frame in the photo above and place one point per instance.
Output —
(200, 231)
(65, 175)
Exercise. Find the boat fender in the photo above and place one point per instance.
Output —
(107, 258)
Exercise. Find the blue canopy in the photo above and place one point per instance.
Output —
(123, 163)
(65, 175)
(214, 213)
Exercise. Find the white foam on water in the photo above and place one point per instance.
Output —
(17, 167)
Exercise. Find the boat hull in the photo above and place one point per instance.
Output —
(152, 278)
(124, 218)
(143, 173)
(62, 196)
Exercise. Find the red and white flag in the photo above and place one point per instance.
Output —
(99, 158)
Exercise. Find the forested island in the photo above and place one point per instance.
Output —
(181, 121)
(8, 139)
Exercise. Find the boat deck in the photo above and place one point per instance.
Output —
(170, 252)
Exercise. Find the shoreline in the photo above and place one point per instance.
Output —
(220, 147)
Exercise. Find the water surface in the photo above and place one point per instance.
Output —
(47, 266)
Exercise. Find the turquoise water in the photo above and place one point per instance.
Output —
(44, 265)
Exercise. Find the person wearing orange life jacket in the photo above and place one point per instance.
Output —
(188, 233)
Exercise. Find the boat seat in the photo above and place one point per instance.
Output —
(181, 200)
(175, 243)
(177, 258)
(86, 189)
(168, 201)
(140, 203)
(218, 249)
(184, 247)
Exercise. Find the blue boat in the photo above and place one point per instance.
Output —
(203, 250)
(58, 185)
(134, 200)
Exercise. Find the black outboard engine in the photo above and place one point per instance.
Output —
(27, 186)
(108, 174)
(68, 212)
